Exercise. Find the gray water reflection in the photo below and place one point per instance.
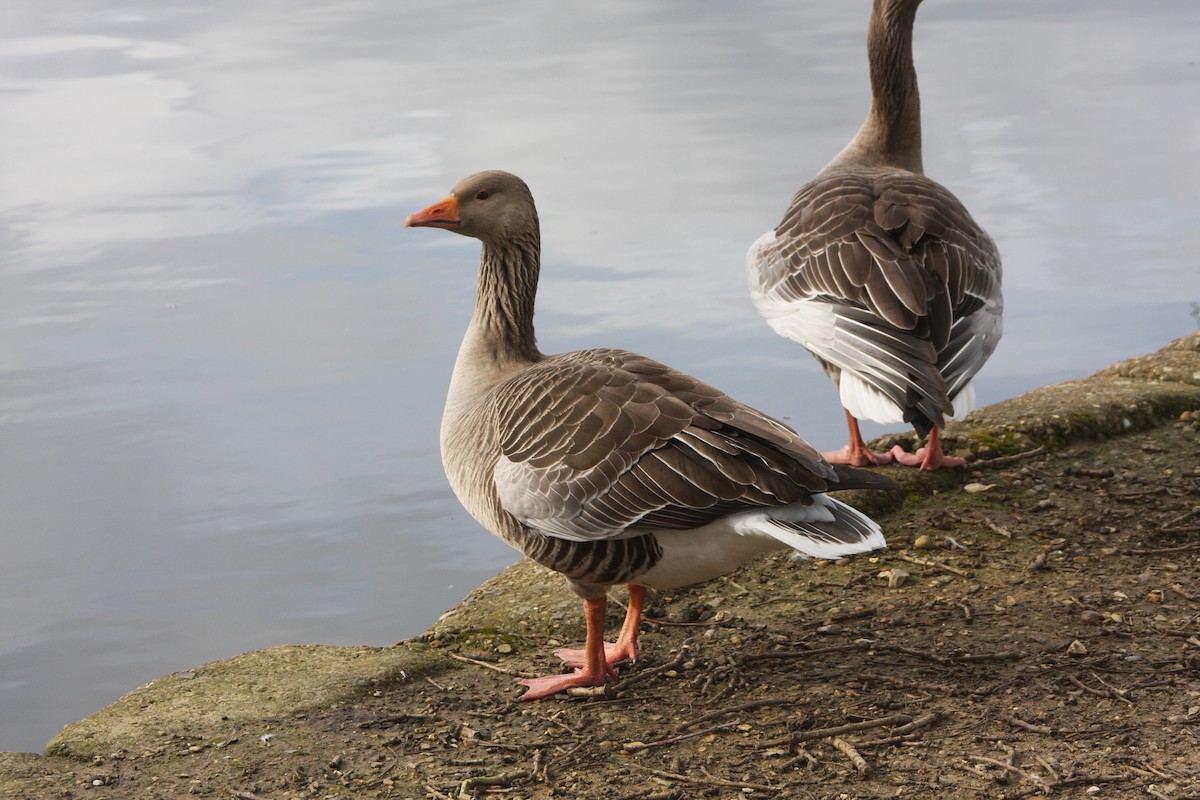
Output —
(222, 360)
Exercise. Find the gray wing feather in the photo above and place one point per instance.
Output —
(595, 442)
(911, 281)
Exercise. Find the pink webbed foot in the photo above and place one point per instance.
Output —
(548, 685)
(593, 664)
(858, 457)
(928, 458)
(856, 453)
(925, 460)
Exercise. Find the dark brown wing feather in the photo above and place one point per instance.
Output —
(902, 264)
(594, 442)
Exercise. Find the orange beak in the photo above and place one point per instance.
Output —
(443, 214)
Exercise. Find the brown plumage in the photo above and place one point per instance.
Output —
(881, 272)
(605, 465)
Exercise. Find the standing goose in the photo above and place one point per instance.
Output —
(880, 272)
(607, 466)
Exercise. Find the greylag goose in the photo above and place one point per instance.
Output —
(880, 272)
(607, 466)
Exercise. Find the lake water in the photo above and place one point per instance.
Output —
(223, 360)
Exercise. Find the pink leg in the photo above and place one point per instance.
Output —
(625, 648)
(595, 670)
(856, 454)
(929, 457)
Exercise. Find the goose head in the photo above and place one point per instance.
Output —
(494, 207)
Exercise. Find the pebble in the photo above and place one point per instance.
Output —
(504, 648)
(923, 542)
(1093, 617)
(1076, 648)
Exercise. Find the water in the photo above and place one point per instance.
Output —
(222, 359)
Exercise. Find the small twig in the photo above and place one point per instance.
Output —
(1001, 460)
(861, 644)
(1130, 497)
(492, 667)
(710, 780)
(1016, 722)
(1181, 518)
(1179, 529)
(634, 747)
(435, 683)
(908, 651)
(920, 686)
(928, 562)
(1112, 690)
(1107, 691)
(1157, 551)
(1010, 768)
(439, 795)
(1053, 775)
(905, 733)
(506, 779)
(1000, 529)
(848, 750)
(753, 704)
(650, 673)
(1179, 590)
(838, 730)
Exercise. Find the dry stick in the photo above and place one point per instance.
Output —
(838, 730)
(848, 750)
(1125, 497)
(1157, 551)
(709, 781)
(1000, 529)
(928, 562)
(753, 704)
(995, 462)
(923, 721)
(1053, 775)
(905, 733)
(1111, 692)
(1179, 590)
(1184, 516)
(650, 673)
(507, 779)
(1010, 768)
(921, 686)
(896, 648)
(634, 747)
(1016, 722)
(492, 667)
(1179, 529)
(861, 644)
(433, 791)
(1114, 691)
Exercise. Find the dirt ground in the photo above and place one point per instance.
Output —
(1033, 630)
(1043, 638)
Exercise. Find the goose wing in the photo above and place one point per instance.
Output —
(886, 277)
(596, 442)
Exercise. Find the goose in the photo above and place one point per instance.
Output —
(607, 466)
(881, 273)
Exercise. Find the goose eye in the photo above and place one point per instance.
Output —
(483, 195)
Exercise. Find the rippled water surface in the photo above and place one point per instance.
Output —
(222, 359)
